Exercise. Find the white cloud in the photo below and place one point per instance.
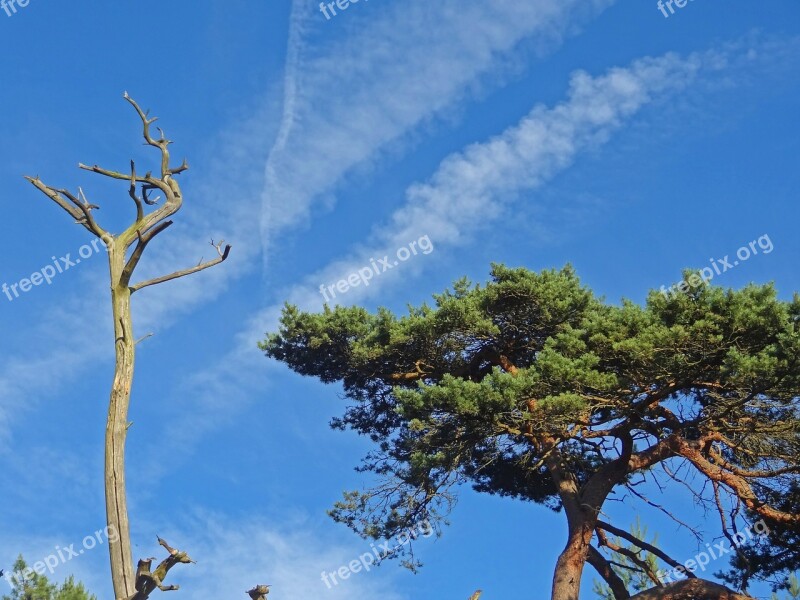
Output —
(405, 63)
(472, 188)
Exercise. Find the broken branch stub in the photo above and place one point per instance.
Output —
(148, 581)
(259, 592)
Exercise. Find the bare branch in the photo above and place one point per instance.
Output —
(161, 143)
(647, 500)
(78, 209)
(83, 205)
(603, 568)
(132, 194)
(178, 170)
(143, 338)
(108, 173)
(146, 198)
(640, 543)
(223, 255)
(632, 556)
(736, 483)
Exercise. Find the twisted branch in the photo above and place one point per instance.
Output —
(148, 581)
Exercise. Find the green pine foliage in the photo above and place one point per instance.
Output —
(32, 586)
(488, 383)
(792, 589)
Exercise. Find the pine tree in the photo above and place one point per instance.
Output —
(534, 388)
(32, 586)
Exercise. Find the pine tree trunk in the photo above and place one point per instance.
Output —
(569, 567)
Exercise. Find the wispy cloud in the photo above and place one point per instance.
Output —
(469, 190)
(472, 188)
(404, 64)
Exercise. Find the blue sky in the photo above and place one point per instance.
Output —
(536, 133)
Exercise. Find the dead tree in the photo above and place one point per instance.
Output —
(122, 264)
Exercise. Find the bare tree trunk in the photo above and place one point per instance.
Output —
(122, 573)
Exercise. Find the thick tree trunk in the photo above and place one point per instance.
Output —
(122, 573)
(569, 568)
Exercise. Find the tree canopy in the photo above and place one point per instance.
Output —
(532, 387)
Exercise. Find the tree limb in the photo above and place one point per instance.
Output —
(223, 255)
(736, 483)
(603, 567)
(632, 556)
(161, 143)
(641, 543)
(79, 210)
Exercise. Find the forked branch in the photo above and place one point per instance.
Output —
(144, 239)
(78, 208)
(654, 550)
(603, 568)
(162, 143)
